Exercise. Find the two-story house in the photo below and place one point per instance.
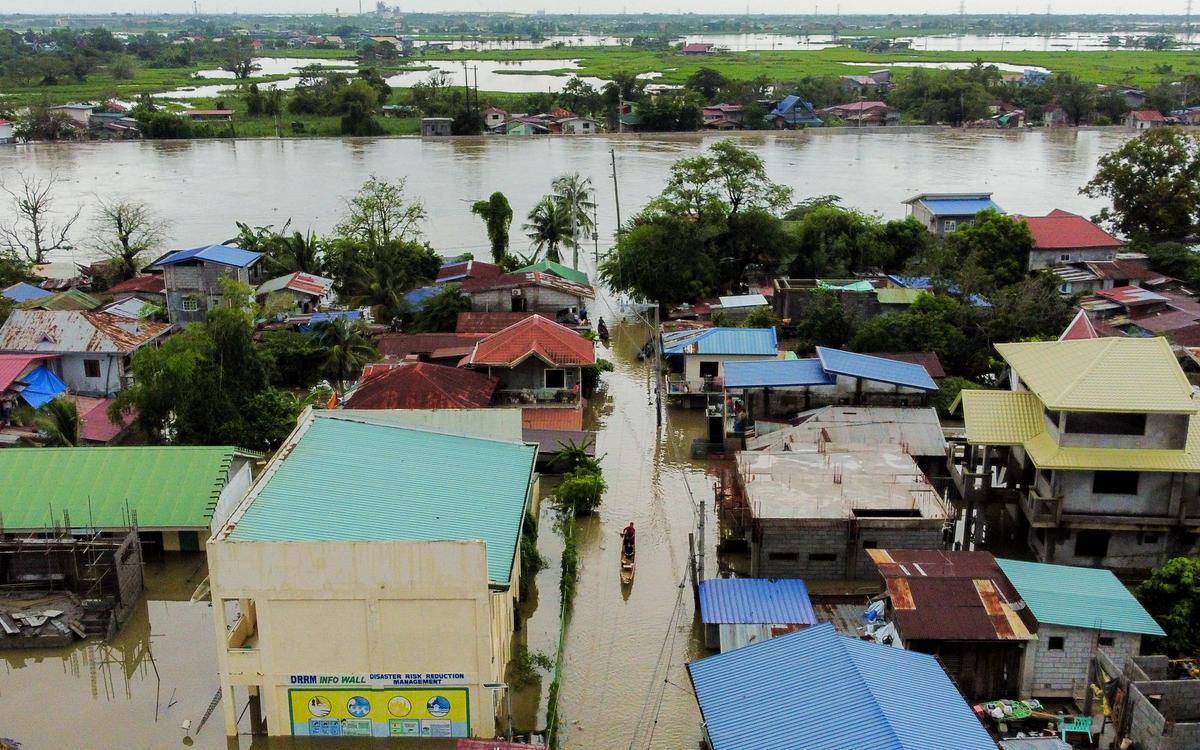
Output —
(193, 278)
(942, 213)
(92, 349)
(1094, 450)
(1061, 237)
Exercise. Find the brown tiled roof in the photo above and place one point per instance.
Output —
(420, 385)
(491, 322)
(400, 345)
(534, 336)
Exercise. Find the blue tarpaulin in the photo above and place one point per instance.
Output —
(41, 386)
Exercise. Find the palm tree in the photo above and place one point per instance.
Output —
(58, 424)
(575, 195)
(497, 216)
(548, 227)
(295, 252)
(348, 347)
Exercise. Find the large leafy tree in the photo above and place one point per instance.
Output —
(706, 82)
(831, 240)
(723, 181)
(126, 231)
(934, 323)
(665, 259)
(380, 212)
(1172, 595)
(1153, 183)
(379, 275)
(990, 252)
(497, 217)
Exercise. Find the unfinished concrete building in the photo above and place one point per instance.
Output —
(1154, 703)
(814, 513)
(1092, 456)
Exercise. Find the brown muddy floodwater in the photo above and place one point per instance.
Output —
(202, 187)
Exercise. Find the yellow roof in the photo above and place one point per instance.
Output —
(1015, 418)
(1109, 374)
(1001, 417)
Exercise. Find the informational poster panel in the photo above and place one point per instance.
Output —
(380, 712)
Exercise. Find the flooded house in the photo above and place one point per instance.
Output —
(817, 689)
(1080, 612)
(816, 513)
(960, 607)
(537, 361)
(696, 357)
(192, 278)
(362, 545)
(88, 351)
(942, 213)
(1090, 455)
(737, 612)
(530, 291)
(1062, 237)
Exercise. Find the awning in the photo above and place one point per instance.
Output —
(41, 386)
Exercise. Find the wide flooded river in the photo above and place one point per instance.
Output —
(202, 187)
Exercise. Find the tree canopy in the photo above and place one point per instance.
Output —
(1172, 595)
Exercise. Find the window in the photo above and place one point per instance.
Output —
(1105, 641)
(1065, 257)
(784, 556)
(1091, 543)
(1115, 483)
(708, 369)
(1056, 643)
(1064, 288)
(822, 556)
(870, 544)
(556, 378)
(190, 304)
(949, 225)
(1148, 537)
(91, 368)
(1106, 424)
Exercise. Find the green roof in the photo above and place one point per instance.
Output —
(1078, 597)
(71, 299)
(898, 296)
(167, 486)
(362, 481)
(558, 269)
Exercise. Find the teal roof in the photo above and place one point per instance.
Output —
(1079, 597)
(347, 480)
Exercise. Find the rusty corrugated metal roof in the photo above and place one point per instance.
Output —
(400, 345)
(421, 385)
(76, 331)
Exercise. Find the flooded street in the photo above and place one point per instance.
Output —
(202, 187)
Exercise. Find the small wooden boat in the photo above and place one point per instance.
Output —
(627, 553)
(602, 331)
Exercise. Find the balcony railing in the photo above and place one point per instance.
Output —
(677, 385)
(537, 396)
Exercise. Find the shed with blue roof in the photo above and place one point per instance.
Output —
(23, 292)
(739, 611)
(193, 278)
(942, 213)
(696, 357)
(384, 554)
(1079, 611)
(818, 690)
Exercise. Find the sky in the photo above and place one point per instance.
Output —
(846, 7)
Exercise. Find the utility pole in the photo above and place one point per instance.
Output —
(657, 368)
(596, 233)
(700, 548)
(616, 190)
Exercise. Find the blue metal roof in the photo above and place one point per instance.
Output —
(776, 373)
(23, 292)
(223, 254)
(416, 297)
(352, 480)
(817, 690)
(878, 369)
(756, 601)
(959, 206)
(744, 341)
(924, 282)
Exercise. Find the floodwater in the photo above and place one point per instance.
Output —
(202, 187)
(271, 66)
(1005, 67)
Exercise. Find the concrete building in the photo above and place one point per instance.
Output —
(1091, 453)
(859, 297)
(435, 126)
(814, 514)
(737, 612)
(1145, 119)
(1080, 612)
(193, 278)
(366, 585)
(942, 213)
(92, 349)
(79, 112)
(532, 291)
(1060, 237)
(1156, 705)
(696, 357)
(6, 132)
(960, 607)
(174, 495)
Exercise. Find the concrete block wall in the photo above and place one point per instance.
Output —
(1127, 550)
(1061, 672)
(799, 541)
(1174, 724)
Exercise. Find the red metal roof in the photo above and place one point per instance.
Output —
(491, 322)
(468, 269)
(95, 426)
(1080, 328)
(943, 595)
(552, 418)
(13, 365)
(421, 385)
(697, 47)
(1060, 230)
(400, 345)
(536, 336)
(1147, 115)
(1126, 269)
(149, 284)
(1131, 296)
